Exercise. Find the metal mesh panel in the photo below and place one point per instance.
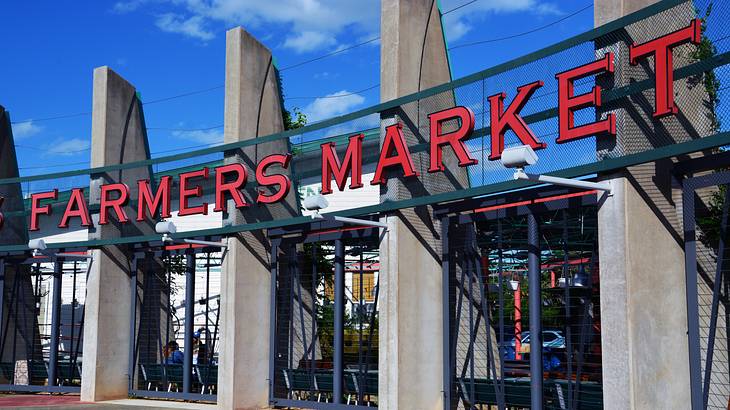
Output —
(160, 323)
(36, 297)
(712, 263)
(306, 335)
(489, 348)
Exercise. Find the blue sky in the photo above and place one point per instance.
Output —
(172, 47)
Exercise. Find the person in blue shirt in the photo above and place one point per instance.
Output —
(172, 353)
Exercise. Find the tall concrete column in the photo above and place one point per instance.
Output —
(18, 305)
(643, 305)
(252, 109)
(118, 135)
(413, 58)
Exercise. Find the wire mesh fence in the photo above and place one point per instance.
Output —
(313, 350)
(178, 319)
(489, 301)
(40, 296)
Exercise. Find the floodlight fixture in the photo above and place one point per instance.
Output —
(39, 247)
(521, 156)
(318, 202)
(168, 227)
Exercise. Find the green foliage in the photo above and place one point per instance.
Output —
(709, 224)
(299, 119)
(290, 123)
(705, 50)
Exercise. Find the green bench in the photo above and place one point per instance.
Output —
(590, 396)
(68, 373)
(207, 377)
(517, 393)
(7, 372)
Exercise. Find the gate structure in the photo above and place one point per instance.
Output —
(325, 320)
(42, 322)
(486, 274)
(176, 322)
(705, 217)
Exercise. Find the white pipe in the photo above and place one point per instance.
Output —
(363, 222)
(602, 186)
(206, 243)
(73, 255)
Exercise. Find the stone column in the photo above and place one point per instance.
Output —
(118, 135)
(17, 310)
(252, 109)
(643, 305)
(413, 58)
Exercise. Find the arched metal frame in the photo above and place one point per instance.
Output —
(715, 278)
(344, 392)
(61, 373)
(191, 381)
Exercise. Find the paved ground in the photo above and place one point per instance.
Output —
(72, 402)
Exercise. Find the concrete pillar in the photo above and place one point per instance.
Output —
(413, 58)
(252, 109)
(118, 135)
(643, 305)
(17, 302)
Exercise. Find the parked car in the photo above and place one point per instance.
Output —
(551, 340)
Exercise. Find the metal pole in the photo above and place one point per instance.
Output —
(2, 303)
(339, 319)
(55, 322)
(272, 314)
(445, 305)
(533, 267)
(189, 317)
(133, 319)
(690, 271)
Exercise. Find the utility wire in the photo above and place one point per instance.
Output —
(524, 33)
(335, 96)
(458, 7)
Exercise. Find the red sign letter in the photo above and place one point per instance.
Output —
(277, 179)
(394, 141)
(162, 197)
(568, 103)
(453, 138)
(661, 48)
(331, 165)
(501, 119)
(76, 207)
(36, 209)
(115, 204)
(186, 193)
(221, 186)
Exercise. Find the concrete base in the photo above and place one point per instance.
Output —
(117, 136)
(243, 375)
(643, 306)
(410, 333)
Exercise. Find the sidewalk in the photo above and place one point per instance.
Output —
(47, 401)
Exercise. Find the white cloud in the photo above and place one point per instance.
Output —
(213, 136)
(25, 129)
(127, 6)
(308, 40)
(332, 105)
(67, 147)
(456, 30)
(309, 24)
(191, 27)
